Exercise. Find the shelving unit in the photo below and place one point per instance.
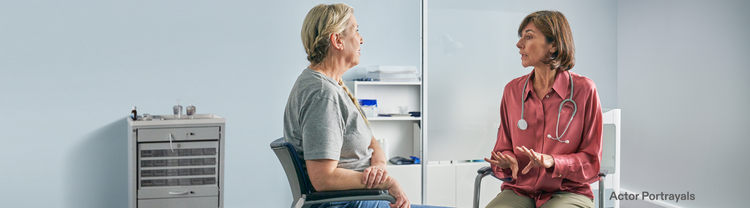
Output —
(402, 134)
(390, 95)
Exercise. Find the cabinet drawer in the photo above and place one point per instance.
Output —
(178, 134)
(192, 202)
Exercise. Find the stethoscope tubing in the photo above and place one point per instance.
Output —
(523, 125)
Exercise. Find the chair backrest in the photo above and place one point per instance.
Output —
(294, 167)
(609, 149)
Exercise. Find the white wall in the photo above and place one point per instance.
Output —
(465, 87)
(683, 91)
(72, 70)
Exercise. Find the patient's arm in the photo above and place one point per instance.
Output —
(378, 156)
(325, 176)
(377, 173)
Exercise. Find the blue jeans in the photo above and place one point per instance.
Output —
(364, 204)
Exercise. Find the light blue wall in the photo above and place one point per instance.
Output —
(683, 89)
(465, 86)
(71, 72)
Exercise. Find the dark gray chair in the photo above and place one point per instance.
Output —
(304, 194)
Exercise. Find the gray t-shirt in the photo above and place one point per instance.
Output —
(322, 122)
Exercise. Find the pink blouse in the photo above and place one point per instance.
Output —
(577, 162)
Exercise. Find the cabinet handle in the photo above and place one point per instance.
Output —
(170, 142)
(178, 193)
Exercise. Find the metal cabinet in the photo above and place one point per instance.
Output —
(176, 162)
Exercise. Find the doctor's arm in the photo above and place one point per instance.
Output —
(583, 166)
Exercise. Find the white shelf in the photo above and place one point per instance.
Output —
(385, 83)
(391, 165)
(384, 118)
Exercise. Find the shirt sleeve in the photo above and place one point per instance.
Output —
(322, 129)
(583, 166)
(503, 143)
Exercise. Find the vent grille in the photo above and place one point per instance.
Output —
(182, 167)
(178, 182)
(178, 153)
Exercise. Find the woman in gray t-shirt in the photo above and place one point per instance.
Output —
(322, 118)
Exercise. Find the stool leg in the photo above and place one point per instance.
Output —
(601, 191)
(478, 186)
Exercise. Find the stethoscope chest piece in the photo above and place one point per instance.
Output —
(522, 124)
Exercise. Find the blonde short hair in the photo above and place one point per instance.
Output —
(322, 21)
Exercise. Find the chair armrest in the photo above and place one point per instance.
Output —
(484, 170)
(278, 143)
(487, 170)
(349, 195)
(603, 173)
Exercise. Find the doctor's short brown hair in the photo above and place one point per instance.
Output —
(556, 30)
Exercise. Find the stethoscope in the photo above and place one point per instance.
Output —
(522, 123)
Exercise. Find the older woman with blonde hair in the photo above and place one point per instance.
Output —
(323, 120)
(551, 123)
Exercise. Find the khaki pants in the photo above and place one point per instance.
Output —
(509, 199)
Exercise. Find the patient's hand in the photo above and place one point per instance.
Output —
(402, 201)
(504, 161)
(374, 175)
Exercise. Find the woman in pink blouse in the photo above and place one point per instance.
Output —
(550, 138)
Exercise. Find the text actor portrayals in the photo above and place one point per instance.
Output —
(645, 195)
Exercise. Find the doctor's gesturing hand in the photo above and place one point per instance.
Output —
(504, 162)
(536, 159)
